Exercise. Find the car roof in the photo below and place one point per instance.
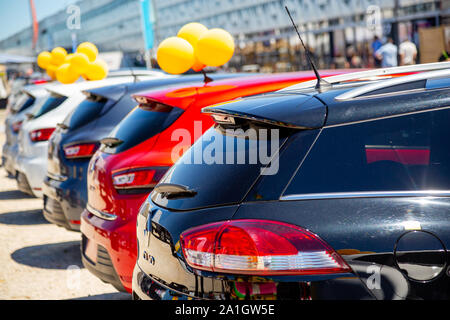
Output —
(69, 89)
(182, 95)
(115, 92)
(345, 103)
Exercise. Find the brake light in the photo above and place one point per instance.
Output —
(82, 150)
(138, 178)
(41, 134)
(259, 247)
(16, 126)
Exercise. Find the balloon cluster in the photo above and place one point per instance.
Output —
(67, 68)
(195, 47)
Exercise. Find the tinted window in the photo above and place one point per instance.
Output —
(28, 103)
(396, 154)
(51, 103)
(221, 167)
(25, 102)
(85, 112)
(141, 124)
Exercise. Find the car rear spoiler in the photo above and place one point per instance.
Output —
(276, 109)
(113, 93)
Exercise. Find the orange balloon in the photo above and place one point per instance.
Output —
(198, 66)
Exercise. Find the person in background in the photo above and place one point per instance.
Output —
(408, 53)
(376, 44)
(445, 54)
(388, 54)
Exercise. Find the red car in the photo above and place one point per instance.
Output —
(138, 153)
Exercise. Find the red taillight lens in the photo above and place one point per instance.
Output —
(138, 178)
(41, 134)
(259, 247)
(40, 81)
(16, 126)
(82, 150)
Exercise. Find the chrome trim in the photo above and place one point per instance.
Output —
(367, 89)
(101, 214)
(372, 73)
(371, 194)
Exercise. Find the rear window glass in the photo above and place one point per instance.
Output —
(405, 153)
(142, 123)
(23, 101)
(85, 112)
(28, 103)
(221, 167)
(51, 103)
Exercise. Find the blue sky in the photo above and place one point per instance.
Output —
(15, 14)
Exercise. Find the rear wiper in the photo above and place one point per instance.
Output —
(29, 116)
(171, 191)
(62, 126)
(111, 142)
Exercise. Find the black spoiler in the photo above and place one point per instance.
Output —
(279, 109)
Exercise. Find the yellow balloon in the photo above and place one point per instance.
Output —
(191, 32)
(43, 59)
(175, 55)
(215, 47)
(97, 70)
(88, 49)
(51, 71)
(68, 58)
(51, 74)
(79, 63)
(65, 75)
(58, 56)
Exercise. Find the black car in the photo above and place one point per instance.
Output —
(354, 202)
(75, 141)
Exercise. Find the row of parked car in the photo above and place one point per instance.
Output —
(238, 186)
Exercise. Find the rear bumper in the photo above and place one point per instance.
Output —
(145, 288)
(345, 288)
(9, 155)
(64, 201)
(34, 170)
(118, 238)
(22, 183)
(102, 268)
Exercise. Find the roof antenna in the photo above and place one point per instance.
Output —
(206, 79)
(320, 81)
(129, 67)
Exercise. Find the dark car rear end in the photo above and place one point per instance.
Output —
(353, 203)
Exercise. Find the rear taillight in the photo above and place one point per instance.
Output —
(41, 134)
(16, 126)
(138, 179)
(259, 247)
(82, 150)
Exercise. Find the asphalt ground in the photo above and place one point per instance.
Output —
(39, 260)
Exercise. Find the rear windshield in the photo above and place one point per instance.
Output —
(28, 103)
(222, 166)
(52, 102)
(24, 101)
(407, 153)
(85, 112)
(142, 123)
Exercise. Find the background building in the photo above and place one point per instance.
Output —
(335, 30)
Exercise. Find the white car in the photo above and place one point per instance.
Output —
(29, 99)
(31, 162)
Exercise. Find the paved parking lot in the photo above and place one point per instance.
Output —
(40, 260)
